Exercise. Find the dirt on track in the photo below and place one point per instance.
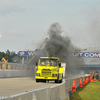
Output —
(12, 86)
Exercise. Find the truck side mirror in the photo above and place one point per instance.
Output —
(59, 64)
(36, 63)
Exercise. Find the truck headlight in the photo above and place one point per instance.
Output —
(37, 74)
(54, 74)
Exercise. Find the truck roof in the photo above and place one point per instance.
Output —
(50, 57)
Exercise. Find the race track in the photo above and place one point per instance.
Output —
(12, 86)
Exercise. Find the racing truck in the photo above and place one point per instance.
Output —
(49, 69)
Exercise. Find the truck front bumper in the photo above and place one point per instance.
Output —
(46, 78)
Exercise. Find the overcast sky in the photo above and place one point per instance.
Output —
(24, 23)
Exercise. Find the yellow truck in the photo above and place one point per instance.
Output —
(49, 68)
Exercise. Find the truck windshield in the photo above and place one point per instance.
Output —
(48, 62)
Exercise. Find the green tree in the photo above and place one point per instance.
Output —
(8, 55)
(2, 54)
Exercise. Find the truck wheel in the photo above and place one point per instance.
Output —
(44, 81)
(60, 81)
(56, 81)
(37, 80)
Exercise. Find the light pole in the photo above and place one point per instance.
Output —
(89, 46)
(83, 46)
(95, 46)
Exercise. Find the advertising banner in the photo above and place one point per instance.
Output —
(28, 53)
(86, 54)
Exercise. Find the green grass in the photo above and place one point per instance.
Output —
(90, 91)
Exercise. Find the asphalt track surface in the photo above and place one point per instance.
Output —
(12, 86)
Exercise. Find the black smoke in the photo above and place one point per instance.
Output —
(57, 45)
(61, 46)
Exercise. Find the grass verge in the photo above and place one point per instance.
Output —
(90, 91)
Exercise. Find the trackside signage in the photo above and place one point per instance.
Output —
(75, 54)
(86, 54)
(28, 53)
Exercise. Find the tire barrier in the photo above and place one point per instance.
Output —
(58, 92)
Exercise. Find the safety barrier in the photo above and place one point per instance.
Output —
(8, 70)
(15, 73)
(58, 92)
(15, 66)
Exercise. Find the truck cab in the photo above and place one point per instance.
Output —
(48, 69)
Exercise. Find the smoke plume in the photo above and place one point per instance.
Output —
(61, 46)
(57, 45)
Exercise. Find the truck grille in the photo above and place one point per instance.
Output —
(46, 73)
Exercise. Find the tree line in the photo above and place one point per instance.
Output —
(9, 55)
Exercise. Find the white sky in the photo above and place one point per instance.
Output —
(24, 23)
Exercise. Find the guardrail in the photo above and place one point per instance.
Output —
(15, 66)
(58, 92)
(16, 70)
